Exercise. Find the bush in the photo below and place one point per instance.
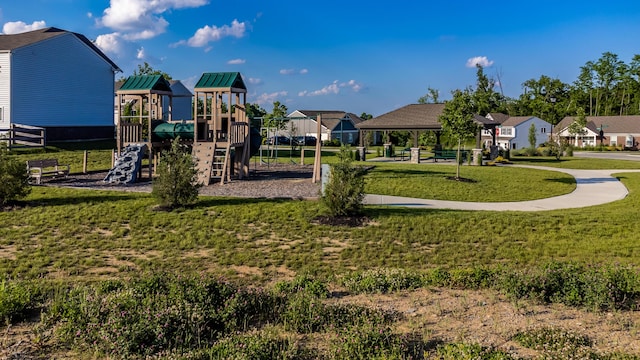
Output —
(344, 192)
(13, 177)
(382, 281)
(16, 300)
(176, 184)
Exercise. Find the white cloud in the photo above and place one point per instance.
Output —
(334, 88)
(268, 99)
(293, 71)
(254, 81)
(90, 15)
(112, 44)
(479, 60)
(142, 19)
(236, 61)
(17, 27)
(207, 34)
(353, 85)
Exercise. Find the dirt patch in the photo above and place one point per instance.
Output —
(350, 221)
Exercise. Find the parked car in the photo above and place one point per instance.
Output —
(279, 140)
(306, 140)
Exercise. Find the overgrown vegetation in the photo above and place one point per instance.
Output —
(13, 177)
(176, 184)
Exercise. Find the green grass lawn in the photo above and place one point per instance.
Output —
(87, 233)
(489, 183)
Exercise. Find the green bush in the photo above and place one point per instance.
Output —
(251, 346)
(344, 192)
(302, 283)
(382, 281)
(176, 184)
(461, 351)
(372, 342)
(154, 314)
(13, 177)
(17, 299)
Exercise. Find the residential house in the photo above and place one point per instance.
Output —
(512, 132)
(58, 80)
(334, 124)
(619, 131)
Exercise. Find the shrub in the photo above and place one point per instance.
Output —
(302, 283)
(460, 351)
(344, 191)
(372, 342)
(13, 177)
(176, 184)
(382, 281)
(150, 315)
(16, 300)
(252, 346)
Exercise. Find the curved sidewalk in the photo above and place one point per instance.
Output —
(593, 187)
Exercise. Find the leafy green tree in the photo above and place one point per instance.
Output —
(457, 119)
(277, 117)
(577, 126)
(344, 193)
(485, 98)
(431, 97)
(545, 98)
(146, 69)
(176, 184)
(532, 136)
(365, 116)
(13, 177)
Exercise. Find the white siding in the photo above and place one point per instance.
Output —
(61, 82)
(5, 90)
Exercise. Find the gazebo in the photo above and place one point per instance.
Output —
(417, 118)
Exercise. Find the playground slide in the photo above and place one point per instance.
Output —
(127, 165)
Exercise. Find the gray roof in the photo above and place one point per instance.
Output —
(331, 118)
(409, 117)
(498, 117)
(629, 124)
(16, 41)
(515, 120)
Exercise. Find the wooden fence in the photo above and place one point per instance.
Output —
(22, 136)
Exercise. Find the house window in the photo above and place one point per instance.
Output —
(543, 130)
(613, 142)
(513, 146)
(506, 131)
(1, 114)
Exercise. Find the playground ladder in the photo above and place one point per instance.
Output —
(212, 161)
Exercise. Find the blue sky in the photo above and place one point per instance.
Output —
(355, 56)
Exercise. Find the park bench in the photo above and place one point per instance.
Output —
(406, 152)
(448, 155)
(37, 169)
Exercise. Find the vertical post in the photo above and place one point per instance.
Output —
(113, 158)
(85, 157)
(318, 155)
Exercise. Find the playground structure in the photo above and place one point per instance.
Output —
(219, 132)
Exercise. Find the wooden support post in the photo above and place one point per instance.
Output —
(85, 157)
(318, 156)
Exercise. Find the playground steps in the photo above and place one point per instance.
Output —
(212, 161)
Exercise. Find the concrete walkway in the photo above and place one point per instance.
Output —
(593, 187)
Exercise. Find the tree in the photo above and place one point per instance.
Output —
(431, 97)
(545, 98)
(532, 136)
(365, 116)
(485, 98)
(13, 177)
(457, 119)
(146, 69)
(577, 126)
(176, 184)
(344, 192)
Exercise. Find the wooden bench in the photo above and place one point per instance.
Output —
(448, 155)
(37, 169)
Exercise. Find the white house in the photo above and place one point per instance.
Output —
(513, 131)
(334, 125)
(58, 80)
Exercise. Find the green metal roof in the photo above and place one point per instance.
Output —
(145, 82)
(221, 80)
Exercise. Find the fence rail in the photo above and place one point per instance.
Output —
(23, 136)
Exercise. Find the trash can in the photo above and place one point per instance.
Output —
(387, 150)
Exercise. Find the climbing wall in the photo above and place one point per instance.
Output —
(127, 166)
